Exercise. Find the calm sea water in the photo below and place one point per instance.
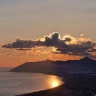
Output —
(19, 83)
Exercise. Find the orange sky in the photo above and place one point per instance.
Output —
(12, 57)
(33, 19)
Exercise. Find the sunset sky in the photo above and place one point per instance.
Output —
(34, 19)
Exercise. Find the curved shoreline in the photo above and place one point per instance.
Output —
(83, 85)
(49, 92)
(56, 91)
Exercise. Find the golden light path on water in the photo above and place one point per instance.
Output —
(55, 81)
(12, 84)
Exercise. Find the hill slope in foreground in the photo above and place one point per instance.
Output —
(58, 67)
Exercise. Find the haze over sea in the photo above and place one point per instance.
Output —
(12, 84)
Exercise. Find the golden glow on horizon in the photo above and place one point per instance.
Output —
(13, 58)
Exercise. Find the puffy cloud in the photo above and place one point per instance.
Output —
(66, 45)
(77, 46)
(20, 44)
(54, 40)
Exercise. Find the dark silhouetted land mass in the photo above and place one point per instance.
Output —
(58, 67)
(79, 76)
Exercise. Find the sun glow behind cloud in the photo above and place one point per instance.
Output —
(51, 47)
(67, 45)
(23, 18)
(76, 40)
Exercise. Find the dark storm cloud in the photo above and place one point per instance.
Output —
(67, 45)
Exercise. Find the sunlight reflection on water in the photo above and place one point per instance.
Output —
(54, 81)
(20, 83)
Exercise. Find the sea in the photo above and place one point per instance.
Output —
(12, 83)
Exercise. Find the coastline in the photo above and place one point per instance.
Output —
(56, 91)
(74, 85)
(49, 92)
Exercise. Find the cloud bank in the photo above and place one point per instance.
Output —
(66, 45)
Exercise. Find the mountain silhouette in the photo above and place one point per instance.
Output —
(58, 67)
